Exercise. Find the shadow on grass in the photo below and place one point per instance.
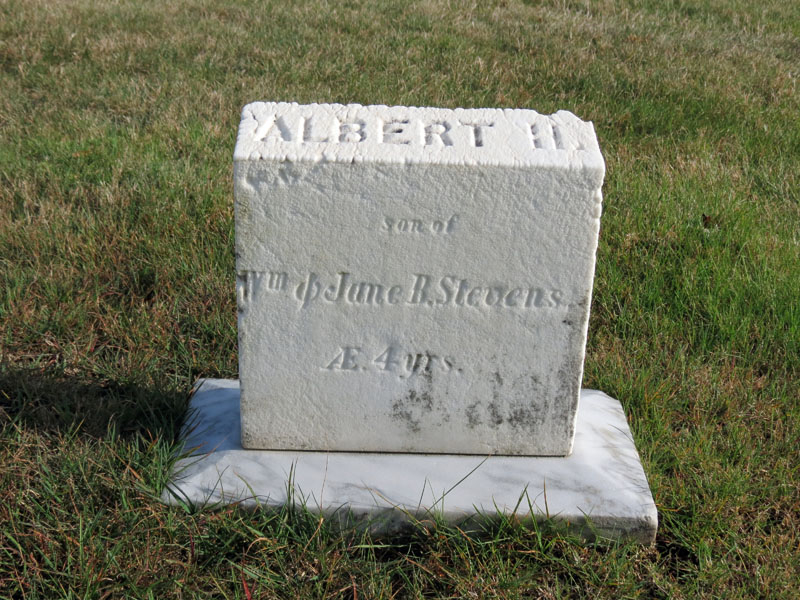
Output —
(52, 401)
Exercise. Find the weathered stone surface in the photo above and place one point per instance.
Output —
(413, 279)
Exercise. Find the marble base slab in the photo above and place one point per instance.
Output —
(599, 490)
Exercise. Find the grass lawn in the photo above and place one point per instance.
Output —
(117, 126)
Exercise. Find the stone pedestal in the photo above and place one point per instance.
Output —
(599, 490)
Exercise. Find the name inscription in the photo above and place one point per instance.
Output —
(544, 133)
(421, 290)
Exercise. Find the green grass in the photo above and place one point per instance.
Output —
(117, 124)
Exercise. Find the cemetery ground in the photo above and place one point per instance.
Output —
(117, 124)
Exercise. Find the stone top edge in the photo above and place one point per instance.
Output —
(353, 133)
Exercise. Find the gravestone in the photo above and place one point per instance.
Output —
(413, 279)
(413, 289)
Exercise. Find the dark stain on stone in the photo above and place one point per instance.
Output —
(424, 399)
(570, 373)
(415, 406)
(494, 412)
(403, 410)
(406, 416)
(526, 413)
(523, 417)
(473, 417)
(495, 405)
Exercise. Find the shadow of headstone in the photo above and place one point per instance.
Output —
(50, 400)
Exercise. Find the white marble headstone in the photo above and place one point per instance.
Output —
(413, 279)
